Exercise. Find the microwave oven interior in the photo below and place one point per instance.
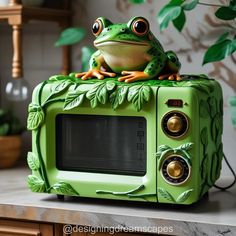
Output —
(101, 144)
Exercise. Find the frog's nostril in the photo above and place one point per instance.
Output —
(122, 30)
(108, 29)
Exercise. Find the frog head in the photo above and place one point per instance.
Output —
(117, 38)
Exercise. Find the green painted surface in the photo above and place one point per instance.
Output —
(200, 146)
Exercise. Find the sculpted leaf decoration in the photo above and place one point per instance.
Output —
(186, 146)
(184, 196)
(202, 87)
(35, 116)
(110, 85)
(36, 184)
(213, 106)
(64, 189)
(204, 136)
(98, 94)
(165, 194)
(138, 94)
(60, 78)
(216, 128)
(74, 99)
(33, 161)
(183, 150)
(204, 109)
(59, 88)
(118, 97)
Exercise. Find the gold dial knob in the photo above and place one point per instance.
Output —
(175, 169)
(175, 124)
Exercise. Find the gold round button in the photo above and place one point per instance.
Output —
(175, 124)
(175, 169)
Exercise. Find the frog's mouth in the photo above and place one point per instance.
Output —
(119, 42)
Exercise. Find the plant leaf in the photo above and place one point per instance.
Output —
(35, 117)
(225, 13)
(36, 184)
(33, 161)
(189, 5)
(184, 196)
(164, 193)
(4, 129)
(232, 4)
(180, 21)
(70, 36)
(222, 37)
(137, 1)
(167, 14)
(64, 189)
(219, 51)
(74, 99)
(85, 57)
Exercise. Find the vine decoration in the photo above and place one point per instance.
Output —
(39, 182)
(130, 193)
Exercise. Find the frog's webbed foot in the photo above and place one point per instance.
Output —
(131, 76)
(94, 73)
(175, 76)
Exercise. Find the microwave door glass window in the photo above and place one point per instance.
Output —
(101, 144)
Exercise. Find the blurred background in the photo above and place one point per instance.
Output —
(41, 58)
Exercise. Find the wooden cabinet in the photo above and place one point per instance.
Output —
(25, 228)
(20, 228)
(17, 15)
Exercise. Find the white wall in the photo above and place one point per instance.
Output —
(42, 59)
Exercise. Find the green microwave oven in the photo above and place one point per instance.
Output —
(156, 141)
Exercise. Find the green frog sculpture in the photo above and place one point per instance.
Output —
(130, 50)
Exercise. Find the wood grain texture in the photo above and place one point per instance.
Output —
(16, 15)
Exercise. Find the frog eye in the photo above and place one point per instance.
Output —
(97, 27)
(140, 26)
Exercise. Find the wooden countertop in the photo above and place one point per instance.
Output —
(213, 215)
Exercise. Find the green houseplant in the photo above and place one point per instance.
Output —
(174, 11)
(10, 139)
(71, 36)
